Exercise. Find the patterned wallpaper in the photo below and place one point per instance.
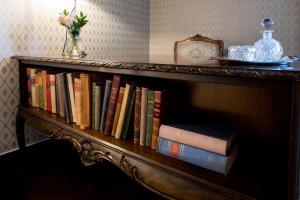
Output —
(116, 27)
(234, 21)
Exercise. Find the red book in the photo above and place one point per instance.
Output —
(28, 72)
(48, 85)
(112, 105)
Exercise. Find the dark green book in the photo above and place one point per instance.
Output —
(93, 106)
(128, 115)
(149, 118)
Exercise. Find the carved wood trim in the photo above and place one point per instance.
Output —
(257, 72)
(89, 155)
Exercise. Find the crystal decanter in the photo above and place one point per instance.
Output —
(267, 49)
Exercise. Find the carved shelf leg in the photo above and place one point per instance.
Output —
(20, 132)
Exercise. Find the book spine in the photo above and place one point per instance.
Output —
(197, 140)
(137, 115)
(33, 88)
(65, 97)
(48, 87)
(28, 71)
(57, 94)
(85, 101)
(112, 105)
(97, 107)
(118, 109)
(124, 106)
(61, 99)
(156, 118)
(53, 93)
(40, 91)
(196, 156)
(68, 97)
(77, 91)
(128, 115)
(71, 95)
(93, 106)
(150, 104)
(107, 91)
(44, 91)
(144, 100)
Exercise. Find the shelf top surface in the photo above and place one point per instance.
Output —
(166, 64)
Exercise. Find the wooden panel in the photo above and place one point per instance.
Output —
(254, 109)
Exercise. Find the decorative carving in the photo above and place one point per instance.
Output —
(132, 172)
(257, 72)
(90, 156)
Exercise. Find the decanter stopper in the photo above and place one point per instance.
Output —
(267, 24)
(268, 49)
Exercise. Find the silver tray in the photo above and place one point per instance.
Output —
(243, 62)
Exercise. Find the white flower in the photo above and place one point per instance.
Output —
(69, 22)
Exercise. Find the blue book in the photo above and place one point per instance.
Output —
(107, 91)
(196, 156)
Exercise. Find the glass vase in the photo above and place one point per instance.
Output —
(73, 46)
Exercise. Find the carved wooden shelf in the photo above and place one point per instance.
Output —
(263, 101)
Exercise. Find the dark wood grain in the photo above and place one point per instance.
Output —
(262, 102)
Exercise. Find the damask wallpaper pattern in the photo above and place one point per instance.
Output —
(116, 28)
(234, 21)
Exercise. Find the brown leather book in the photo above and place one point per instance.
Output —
(118, 109)
(85, 101)
(44, 77)
(137, 115)
(156, 118)
(60, 95)
(77, 91)
(144, 100)
(112, 105)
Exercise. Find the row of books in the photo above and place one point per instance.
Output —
(211, 146)
(103, 106)
(131, 112)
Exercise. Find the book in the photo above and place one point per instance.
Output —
(144, 100)
(156, 118)
(40, 91)
(118, 109)
(44, 89)
(53, 93)
(28, 72)
(97, 107)
(149, 120)
(209, 136)
(65, 97)
(33, 88)
(106, 97)
(208, 160)
(112, 105)
(123, 110)
(85, 101)
(60, 95)
(93, 105)
(57, 93)
(77, 94)
(71, 96)
(48, 88)
(137, 115)
(128, 115)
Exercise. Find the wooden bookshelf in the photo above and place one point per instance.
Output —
(261, 101)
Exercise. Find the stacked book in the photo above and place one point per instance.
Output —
(123, 112)
(207, 145)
